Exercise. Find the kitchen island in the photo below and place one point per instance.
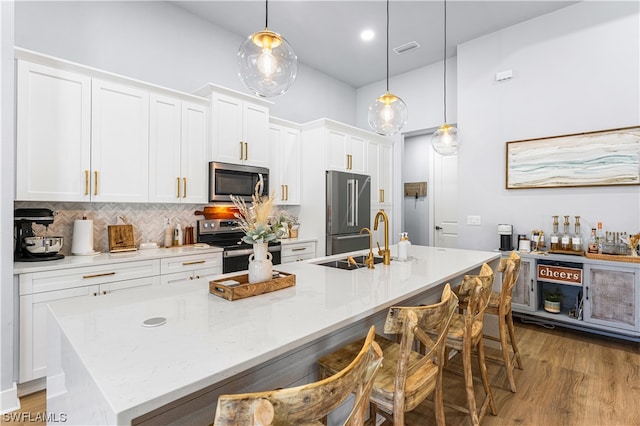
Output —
(106, 367)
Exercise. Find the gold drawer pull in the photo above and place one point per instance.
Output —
(106, 274)
(178, 179)
(241, 151)
(184, 182)
(246, 151)
(95, 182)
(86, 182)
(299, 249)
(195, 262)
(382, 195)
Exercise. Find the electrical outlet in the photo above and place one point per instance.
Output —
(473, 220)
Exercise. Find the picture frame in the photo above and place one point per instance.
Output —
(599, 158)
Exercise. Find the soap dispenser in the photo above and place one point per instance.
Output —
(403, 246)
(168, 233)
(177, 235)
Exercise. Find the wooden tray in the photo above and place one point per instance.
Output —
(614, 257)
(232, 291)
(571, 252)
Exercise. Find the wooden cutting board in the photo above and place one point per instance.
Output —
(121, 238)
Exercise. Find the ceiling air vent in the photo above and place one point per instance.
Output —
(406, 47)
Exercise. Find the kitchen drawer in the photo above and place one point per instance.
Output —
(298, 251)
(62, 279)
(193, 262)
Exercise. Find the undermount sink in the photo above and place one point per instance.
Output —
(344, 264)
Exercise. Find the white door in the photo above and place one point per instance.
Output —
(445, 200)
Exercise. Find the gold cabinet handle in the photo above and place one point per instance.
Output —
(106, 274)
(382, 195)
(347, 161)
(195, 262)
(86, 182)
(287, 191)
(184, 186)
(299, 249)
(178, 179)
(95, 182)
(241, 151)
(197, 277)
(95, 293)
(104, 292)
(246, 151)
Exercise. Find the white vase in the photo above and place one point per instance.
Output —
(260, 266)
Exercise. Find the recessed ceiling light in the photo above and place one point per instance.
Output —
(367, 35)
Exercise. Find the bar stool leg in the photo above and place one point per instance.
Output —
(512, 337)
(504, 344)
(485, 381)
(468, 382)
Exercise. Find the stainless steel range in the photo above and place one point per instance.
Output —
(224, 233)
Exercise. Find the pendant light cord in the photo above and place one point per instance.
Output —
(387, 46)
(266, 14)
(444, 62)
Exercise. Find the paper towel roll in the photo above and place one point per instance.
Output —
(82, 242)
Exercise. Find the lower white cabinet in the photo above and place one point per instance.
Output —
(40, 288)
(296, 252)
(177, 270)
(524, 291)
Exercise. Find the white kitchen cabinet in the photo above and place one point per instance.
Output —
(284, 163)
(380, 161)
(177, 148)
(346, 152)
(119, 142)
(40, 288)
(296, 252)
(53, 113)
(239, 127)
(175, 270)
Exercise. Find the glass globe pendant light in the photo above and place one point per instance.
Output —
(446, 139)
(267, 65)
(388, 113)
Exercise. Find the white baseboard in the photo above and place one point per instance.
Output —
(32, 386)
(9, 400)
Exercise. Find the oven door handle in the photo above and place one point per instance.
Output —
(274, 248)
(238, 253)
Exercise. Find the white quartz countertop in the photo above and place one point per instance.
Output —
(73, 261)
(207, 339)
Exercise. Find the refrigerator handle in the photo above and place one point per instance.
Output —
(351, 218)
(356, 194)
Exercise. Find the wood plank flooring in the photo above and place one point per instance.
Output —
(569, 378)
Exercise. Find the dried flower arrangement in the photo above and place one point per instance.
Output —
(254, 220)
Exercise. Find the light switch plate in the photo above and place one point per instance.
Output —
(474, 220)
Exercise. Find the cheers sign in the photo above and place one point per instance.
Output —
(560, 274)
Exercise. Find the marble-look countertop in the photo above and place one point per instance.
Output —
(207, 339)
(73, 261)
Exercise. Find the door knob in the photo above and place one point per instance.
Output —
(439, 228)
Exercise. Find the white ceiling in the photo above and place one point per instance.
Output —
(325, 33)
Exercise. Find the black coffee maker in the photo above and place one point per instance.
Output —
(26, 242)
(506, 237)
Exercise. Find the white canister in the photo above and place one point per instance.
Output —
(82, 241)
(524, 246)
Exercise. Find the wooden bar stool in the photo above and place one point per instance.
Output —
(406, 377)
(465, 333)
(500, 305)
(307, 404)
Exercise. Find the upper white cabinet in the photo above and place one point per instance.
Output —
(239, 127)
(380, 163)
(119, 142)
(284, 162)
(346, 152)
(177, 150)
(89, 135)
(53, 150)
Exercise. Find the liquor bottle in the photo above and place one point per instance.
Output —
(576, 240)
(555, 238)
(565, 242)
(593, 242)
(600, 237)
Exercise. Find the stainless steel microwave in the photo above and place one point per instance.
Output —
(238, 180)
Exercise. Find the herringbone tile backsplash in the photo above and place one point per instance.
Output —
(148, 220)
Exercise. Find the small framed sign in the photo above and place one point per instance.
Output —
(415, 189)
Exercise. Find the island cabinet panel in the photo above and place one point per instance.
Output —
(611, 296)
(53, 149)
(296, 252)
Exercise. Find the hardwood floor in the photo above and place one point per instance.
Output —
(569, 378)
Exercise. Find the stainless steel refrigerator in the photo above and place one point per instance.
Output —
(348, 211)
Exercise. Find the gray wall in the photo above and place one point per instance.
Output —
(415, 168)
(575, 70)
(163, 44)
